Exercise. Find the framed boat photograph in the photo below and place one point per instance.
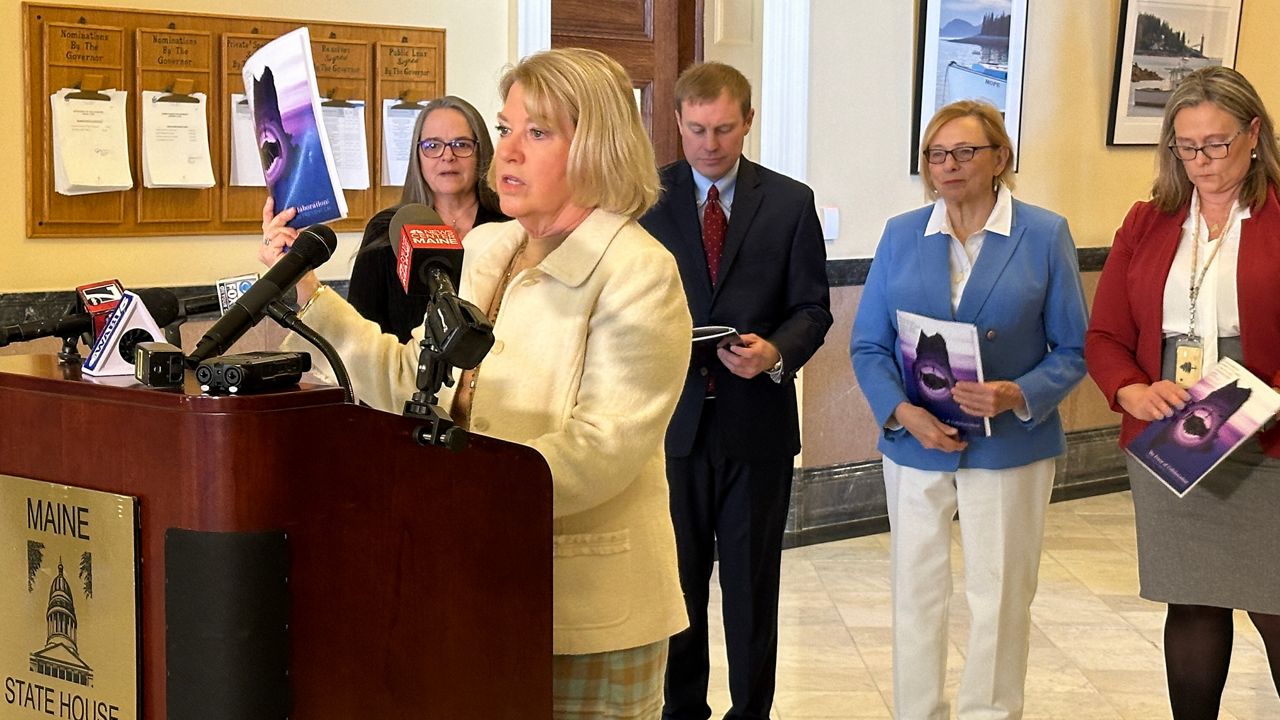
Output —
(1161, 42)
(969, 50)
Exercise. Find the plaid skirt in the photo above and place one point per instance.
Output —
(615, 685)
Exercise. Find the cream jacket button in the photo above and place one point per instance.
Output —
(497, 347)
(480, 424)
(991, 334)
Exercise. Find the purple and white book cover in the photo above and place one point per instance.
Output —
(1227, 407)
(297, 163)
(936, 354)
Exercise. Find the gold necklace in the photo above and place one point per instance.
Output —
(496, 304)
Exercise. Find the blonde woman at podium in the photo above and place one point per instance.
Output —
(592, 345)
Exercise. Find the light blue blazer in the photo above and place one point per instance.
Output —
(1025, 297)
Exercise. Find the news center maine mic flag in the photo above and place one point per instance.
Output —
(297, 162)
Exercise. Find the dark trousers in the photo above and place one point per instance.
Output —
(740, 509)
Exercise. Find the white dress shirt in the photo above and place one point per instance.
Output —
(964, 251)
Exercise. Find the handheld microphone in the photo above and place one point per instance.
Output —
(429, 255)
(161, 303)
(312, 248)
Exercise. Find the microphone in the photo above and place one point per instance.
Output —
(161, 303)
(429, 255)
(312, 248)
(198, 305)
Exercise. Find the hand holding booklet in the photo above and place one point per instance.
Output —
(936, 354)
(709, 338)
(1227, 407)
(297, 162)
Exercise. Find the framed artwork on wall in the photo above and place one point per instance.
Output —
(969, 50)
(1160, 42)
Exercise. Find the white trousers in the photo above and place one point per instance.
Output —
(1001, 533)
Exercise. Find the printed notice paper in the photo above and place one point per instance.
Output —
(935, 355)
(345, 126)
(1227, 407)
(397, 140)
(90, 143)
(280, 82)
(246, 167)
(175, 142)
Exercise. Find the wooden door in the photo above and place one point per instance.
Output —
(653, 39)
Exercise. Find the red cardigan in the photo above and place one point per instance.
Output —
(1124, 341)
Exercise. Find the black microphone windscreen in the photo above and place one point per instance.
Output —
(411, 214)
(315, 244)
(161, 303)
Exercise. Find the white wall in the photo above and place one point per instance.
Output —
(479, 43)
(861, 85)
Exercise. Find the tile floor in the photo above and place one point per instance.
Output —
(1095, 645)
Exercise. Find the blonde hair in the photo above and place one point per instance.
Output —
(992, 126)
(611, 161)
(704, 82)
(1230, 92)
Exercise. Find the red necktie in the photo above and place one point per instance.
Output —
(713, 228)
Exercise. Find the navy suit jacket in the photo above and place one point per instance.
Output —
(1026, 299)
(772, 282)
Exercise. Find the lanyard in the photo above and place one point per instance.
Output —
(1195, 263)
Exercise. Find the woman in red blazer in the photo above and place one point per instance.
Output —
(1211, 232)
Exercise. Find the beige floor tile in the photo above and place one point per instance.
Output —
(1095, 645)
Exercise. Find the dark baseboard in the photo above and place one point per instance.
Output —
(836, 502)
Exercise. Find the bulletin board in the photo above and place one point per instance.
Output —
(93, 48)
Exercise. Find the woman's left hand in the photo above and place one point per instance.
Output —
(988, 399)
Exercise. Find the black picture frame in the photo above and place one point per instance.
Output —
(1156, 44)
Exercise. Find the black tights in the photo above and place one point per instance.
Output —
(1197, 652)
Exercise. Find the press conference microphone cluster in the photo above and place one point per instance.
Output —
(314, 246)
(429, 262)
(162, 304)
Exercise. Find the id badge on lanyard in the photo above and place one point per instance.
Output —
(1189, 360)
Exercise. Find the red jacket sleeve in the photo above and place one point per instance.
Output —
(1111, 343)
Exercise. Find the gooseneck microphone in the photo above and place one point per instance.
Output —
(313, 247)
(162, 304)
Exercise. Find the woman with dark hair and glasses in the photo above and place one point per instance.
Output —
(1194, 270)
(447, 170)
(978, 256)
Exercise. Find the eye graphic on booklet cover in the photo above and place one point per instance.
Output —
(1198, 424)
(933, 367)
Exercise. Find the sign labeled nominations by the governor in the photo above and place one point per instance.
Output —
(68, 603)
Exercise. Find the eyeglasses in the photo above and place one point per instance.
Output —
(435, 148)
(1213, 151)
(937, 156)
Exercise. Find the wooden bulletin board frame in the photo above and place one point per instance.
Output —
(98, 48)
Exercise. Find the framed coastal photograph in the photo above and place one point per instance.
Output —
(1160, 42)
(969, 50)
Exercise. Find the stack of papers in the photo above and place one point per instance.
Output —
(90, 143)
(175, 142)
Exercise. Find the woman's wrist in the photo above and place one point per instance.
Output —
(307, 288)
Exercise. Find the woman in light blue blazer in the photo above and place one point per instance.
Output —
(980, 257)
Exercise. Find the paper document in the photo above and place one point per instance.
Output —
(246, 168)
(293, 146)
(936, 354)
(345, 126)
(90, 143)
(175, 142)
(397, 140)
(1227, 407)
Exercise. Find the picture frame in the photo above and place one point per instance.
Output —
(1159, 42)
(969, 49)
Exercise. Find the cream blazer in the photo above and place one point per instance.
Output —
(591, 350)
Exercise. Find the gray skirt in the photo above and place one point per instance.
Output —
(1218, 545)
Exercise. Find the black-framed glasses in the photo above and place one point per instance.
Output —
(461, 147)
(937, 156)
(1213, 151)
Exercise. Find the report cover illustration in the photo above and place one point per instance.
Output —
(936, 354)
(1227, 407)
(297, 163)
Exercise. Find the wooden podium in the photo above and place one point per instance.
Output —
(417, 581)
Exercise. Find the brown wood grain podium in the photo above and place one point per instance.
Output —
(418, 579)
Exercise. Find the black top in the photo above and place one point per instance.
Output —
(375, 291)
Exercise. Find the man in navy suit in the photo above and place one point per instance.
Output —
(751, 257)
